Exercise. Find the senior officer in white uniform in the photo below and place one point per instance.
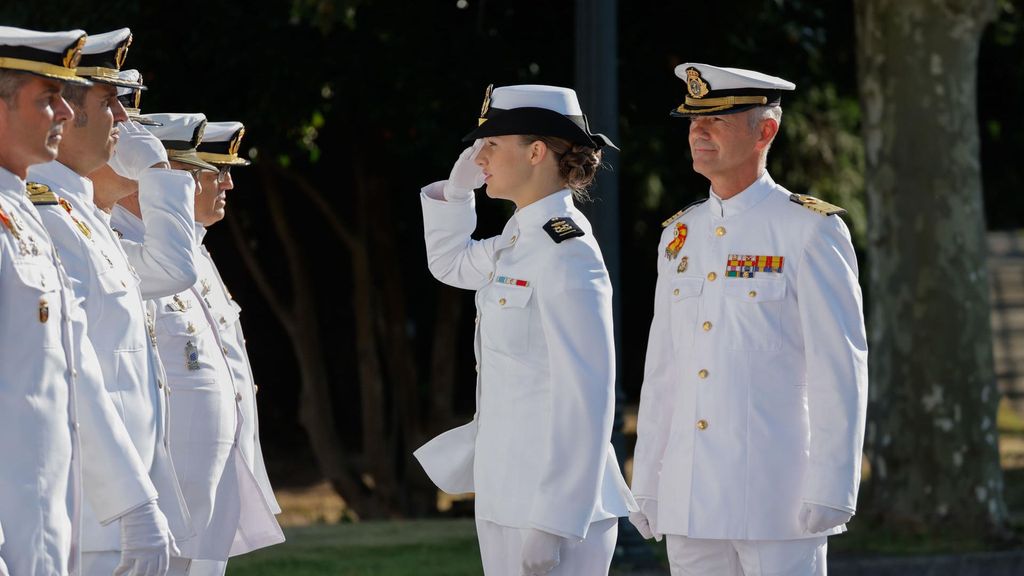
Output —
(102, 276)
(51, 387)
(228, 509)
(537, 454)
(751, 420)
(220, 146)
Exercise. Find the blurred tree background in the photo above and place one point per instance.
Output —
(352, 105)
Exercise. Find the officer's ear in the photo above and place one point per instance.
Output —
(767, 128)
(538, 151)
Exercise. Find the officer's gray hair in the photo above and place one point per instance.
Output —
(10, 82)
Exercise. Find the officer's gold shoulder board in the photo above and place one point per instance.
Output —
(816, 205)
(680, 214)
(40, 194)
(562, 229)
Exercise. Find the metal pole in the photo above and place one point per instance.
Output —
(597, 84)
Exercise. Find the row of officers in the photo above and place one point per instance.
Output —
(127, 401)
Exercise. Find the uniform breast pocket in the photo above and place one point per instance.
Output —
(116, 282)
(685, 296)
(505, 322)
(38, 297)
(752, 313)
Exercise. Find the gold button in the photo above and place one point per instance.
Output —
(675, 292)
(707, 326)
(255, 389)
(712, 276)
(702, 424)
(752, 293)
(160, 384)
(502, 301)
(720, 231)
(703, 374)
(224, 349)
(512, 240)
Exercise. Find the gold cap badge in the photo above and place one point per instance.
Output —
(487, 104)
(73, 54)
(122, 52)
(696, 85)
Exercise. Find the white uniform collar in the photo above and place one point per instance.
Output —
(11, 183)
(65, 178)
(200, 233)
(538, 213)
(739, 203)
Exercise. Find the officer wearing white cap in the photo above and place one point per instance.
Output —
(752, 412)
(77, 215)
(212, 426)
(51, 388)
(537, 453)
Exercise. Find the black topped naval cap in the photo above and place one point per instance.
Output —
(221, 142)
(711, 90)
(104, 55)
(538, 110)
(48, 54)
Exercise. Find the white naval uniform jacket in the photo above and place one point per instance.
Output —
(58, 426)
(537, 453)
(107, 284)
(755, 386)
(227, 507)
(226, 313)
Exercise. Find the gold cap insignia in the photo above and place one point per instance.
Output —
(696, 85)
(138, 96)
(197, 136)
(74, 53)
(236, 141)
(122, 52)
(487, 104)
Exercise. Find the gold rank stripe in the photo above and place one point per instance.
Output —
(38, 67)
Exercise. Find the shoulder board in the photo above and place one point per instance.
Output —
(562, 229)
(815, 205)
(679, 214)
(40, 194)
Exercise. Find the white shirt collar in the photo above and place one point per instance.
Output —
(739, 203)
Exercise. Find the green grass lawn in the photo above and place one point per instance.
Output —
(421, 548)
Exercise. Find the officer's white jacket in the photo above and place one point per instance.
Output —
(229, 512)
(58, 425)
(108, 286)
(226, 314)
(755, 388)
(537, 453)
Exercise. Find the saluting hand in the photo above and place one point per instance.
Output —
(466, 176)
(136, 151)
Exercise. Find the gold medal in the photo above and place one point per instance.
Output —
(684, 263)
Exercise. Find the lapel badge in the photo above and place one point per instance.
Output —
(191, 356)
(684, 263)
(486, 105)
(44, 310)
(673, 248)
(696, 85)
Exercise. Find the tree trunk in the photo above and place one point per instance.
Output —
(931, 438)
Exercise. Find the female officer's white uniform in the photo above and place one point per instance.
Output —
(537, 453)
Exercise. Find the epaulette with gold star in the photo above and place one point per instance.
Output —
(40, 194)
(680, 214)
(817, 205)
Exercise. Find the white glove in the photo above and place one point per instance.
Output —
(3, 568)
(146, 542)
(540, 552)
(816, 518)
(466, 176)
(136, 150)
(645, 520)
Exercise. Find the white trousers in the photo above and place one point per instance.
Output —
(501, 550)
(104, 564)
(696, 557)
